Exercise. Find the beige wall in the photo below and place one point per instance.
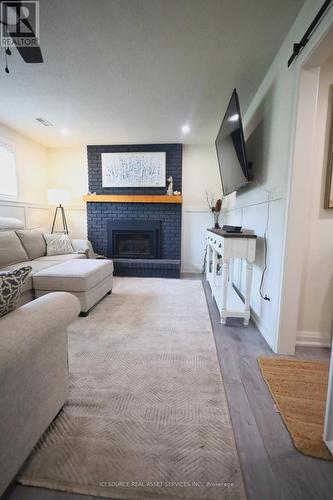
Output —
(31, 165)
(69, 171)
(200, 174)
(32, 175)
(316, 299)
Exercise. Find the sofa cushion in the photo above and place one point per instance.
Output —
(73, 276)
(11, 249)
(40, 264)
(11, 287)
(36, 265)
(33, 242)
(58, 244)
(61, 258)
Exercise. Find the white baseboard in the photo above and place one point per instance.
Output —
(313, 339)
(329, 445)
(190, 269)
(263, 329)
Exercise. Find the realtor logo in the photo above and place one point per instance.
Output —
(19, 23)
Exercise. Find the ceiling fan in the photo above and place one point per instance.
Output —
(19, 12)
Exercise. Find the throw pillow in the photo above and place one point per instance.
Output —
(33, 242)
(11, 284)
(11, 249)
(58, 244)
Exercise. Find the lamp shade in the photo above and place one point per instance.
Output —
(57, 196)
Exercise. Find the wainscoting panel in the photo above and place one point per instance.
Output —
(260, 217)
(33, 215)
(12, 209)
(38, 217)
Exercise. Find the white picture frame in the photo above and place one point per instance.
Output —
(134, 169)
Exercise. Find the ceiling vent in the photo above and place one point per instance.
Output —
(44, 122)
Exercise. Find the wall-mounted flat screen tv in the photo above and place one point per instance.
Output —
(234, 168)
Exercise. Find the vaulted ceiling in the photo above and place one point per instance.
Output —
(135, 71)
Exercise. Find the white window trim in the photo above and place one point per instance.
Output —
(11, 146)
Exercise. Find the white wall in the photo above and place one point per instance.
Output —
(32, 176)
(316, 296)
(270, 129)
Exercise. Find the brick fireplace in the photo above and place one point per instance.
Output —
(143, 239)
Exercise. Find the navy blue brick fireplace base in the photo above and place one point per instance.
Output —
(168, 215)
(156, 268)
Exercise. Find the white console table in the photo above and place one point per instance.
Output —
(222, 248)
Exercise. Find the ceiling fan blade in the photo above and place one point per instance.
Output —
(30, 54)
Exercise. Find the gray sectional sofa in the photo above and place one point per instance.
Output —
(33, 374)
(24, 247)
(33, 338)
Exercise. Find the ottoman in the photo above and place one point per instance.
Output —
(89, 280)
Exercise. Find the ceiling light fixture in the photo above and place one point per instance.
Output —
(185, 129)
(233, 118)
(65, 132)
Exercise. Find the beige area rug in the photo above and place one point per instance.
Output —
(147, 415)
(299, 389)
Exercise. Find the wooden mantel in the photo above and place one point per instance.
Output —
(132, 198)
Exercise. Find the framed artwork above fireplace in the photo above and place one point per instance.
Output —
(134, 169)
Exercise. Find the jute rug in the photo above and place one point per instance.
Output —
(299, 389)
(147, 415)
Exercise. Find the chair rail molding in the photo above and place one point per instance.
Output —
(32, 214)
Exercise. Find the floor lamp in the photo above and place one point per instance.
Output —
(58, 197)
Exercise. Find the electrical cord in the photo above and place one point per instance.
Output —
(264, 271)
(264, 297)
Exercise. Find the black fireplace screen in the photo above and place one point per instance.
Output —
(134, 239)
(134, 245)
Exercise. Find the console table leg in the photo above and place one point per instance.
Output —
(214, 264)
(248, 282)
(225, 283)
(208, 262)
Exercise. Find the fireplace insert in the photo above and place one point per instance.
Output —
(134, 239)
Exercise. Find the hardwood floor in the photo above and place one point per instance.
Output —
(272, 468)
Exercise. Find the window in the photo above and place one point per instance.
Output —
(8, 180)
